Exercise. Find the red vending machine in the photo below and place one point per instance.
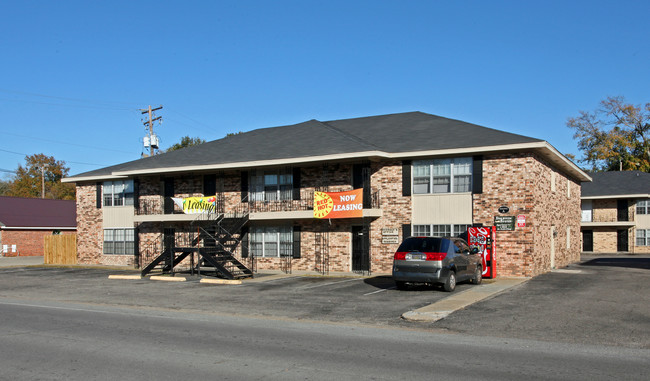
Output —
(483, 238)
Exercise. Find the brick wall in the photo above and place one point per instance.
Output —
(523, 183)
(28, 242)
(520, 181)
(89, 225)
(396, 211)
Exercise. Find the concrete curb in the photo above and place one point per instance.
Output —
(220, 281)
(168, 278)
(443, 308)
(115, 276)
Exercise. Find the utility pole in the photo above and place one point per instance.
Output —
(149, 123)
(42, 169)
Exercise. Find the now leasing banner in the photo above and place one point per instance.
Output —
(338, 204)
(196, 205)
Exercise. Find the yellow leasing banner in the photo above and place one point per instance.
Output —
(197, 205)
(338, 204)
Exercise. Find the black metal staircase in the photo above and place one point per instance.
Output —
(211, 239)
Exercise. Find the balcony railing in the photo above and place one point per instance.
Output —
(165, 205)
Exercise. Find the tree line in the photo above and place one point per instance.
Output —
(39, 177)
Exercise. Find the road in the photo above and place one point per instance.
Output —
(67, 341)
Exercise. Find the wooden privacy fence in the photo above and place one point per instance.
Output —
(60, 249)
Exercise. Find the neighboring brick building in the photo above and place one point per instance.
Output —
(616, 213)
(421, 175)
(25, 221)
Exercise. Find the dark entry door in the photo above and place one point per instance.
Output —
(168, 194)
(621, 210)
(169, 241)
(360, 249)
(588, 240)
(621, 240)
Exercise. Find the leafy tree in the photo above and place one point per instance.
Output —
(615, 135)
(28, 180)
(4, 187)
(186, 141)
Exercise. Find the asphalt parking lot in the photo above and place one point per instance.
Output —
(372, 300)
(602, 300)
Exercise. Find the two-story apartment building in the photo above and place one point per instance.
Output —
(420, 174)
(616, 213)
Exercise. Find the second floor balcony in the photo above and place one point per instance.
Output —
(160, 208)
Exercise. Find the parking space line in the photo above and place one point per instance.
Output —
(382, 290)
(262, 280)
(331, 283)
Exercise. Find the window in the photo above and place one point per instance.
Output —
(118, 193)
(643, 207)
(271, 241)
(422, 230)
(119, 241)
(442, 175)
(439, 230)
(460, 229)
(271, 185)
(643, 237)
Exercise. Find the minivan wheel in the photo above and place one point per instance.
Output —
(401, 285)
(450, 284)
(478, 275)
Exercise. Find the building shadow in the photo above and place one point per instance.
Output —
(628, 262)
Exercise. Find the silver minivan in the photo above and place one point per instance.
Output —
(434, 260)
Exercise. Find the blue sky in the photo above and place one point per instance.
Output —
(76, 73)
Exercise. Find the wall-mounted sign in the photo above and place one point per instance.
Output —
(504, 223)
(504, 209)
(338, 204)
(389, 231)
(521, 221)
(389, 239)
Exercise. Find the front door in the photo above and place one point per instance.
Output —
(360, 249)
(621, 240)
(621, 211)
(588, 240)
(169, 241)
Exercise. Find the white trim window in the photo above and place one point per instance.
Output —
(442, 175)
(271, 241)
(643, 237)
(119, 241)
(643, 206)
(271, 185)
(118, 193)
(439, 230)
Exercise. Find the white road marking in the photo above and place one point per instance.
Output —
(385, 289)
(330, 283)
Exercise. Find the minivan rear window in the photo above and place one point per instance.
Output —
(425, 244)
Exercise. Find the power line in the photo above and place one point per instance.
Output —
(66, 143)
(66, 161)
(96, 102)
(69, 105)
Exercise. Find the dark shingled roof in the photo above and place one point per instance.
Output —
(616, 184)
(37, 213)
(392, 133)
